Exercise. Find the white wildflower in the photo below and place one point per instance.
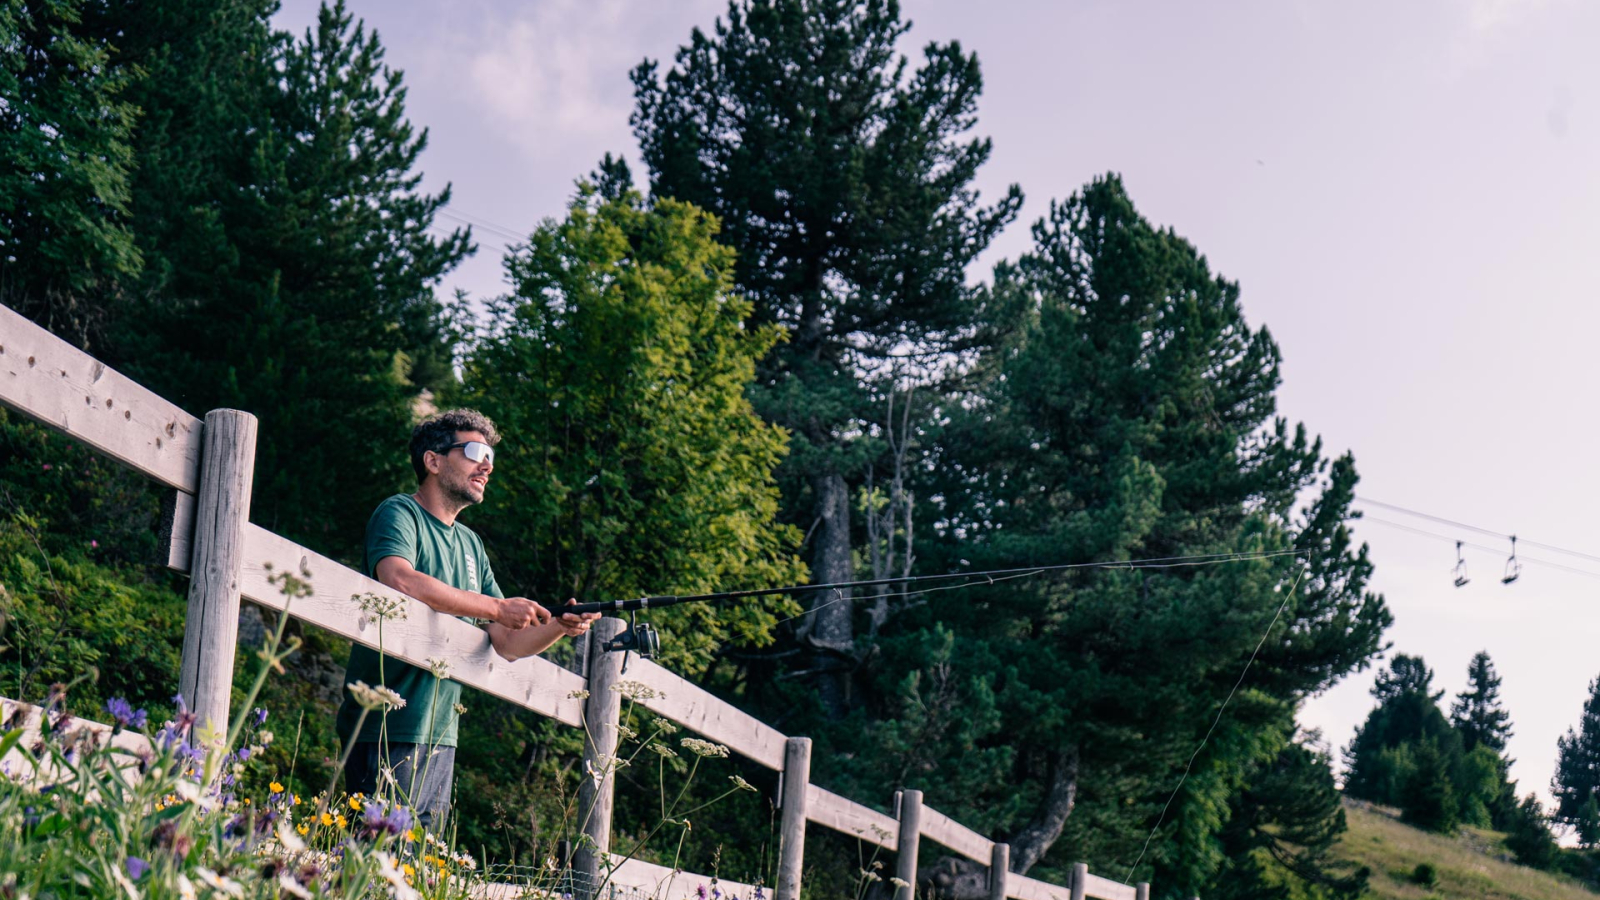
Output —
(389, 869)
(704, 748)
(379, 697)
(219, 883)
(292, 885)
(288, 839)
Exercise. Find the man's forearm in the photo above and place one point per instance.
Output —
(441, 597)
(523, 642)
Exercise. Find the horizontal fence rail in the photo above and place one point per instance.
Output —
(64, 388)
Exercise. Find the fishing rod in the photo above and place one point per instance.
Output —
(643, 639)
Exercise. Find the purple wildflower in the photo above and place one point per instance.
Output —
(243, 753)
(124, 713)
(700, 892)
(261, 716)
(759, 895)
(136, 867)
(394, 821)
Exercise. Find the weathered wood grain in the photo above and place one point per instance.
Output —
(947, 832)
(909, 840)
(534, 683)
(45, 378)
(701, 711)
(999, 868)
(661, 883)
(1106, 889)
(602, 713)
(175, 530)
(792, 829)
(848, 817)
(1025, 888)
(211, 629)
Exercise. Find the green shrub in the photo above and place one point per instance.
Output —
(1426, 875)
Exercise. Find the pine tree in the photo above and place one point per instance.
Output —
(66, 248)
(1477, 714)
(1528, 835)
(1286, 821)
(1428, 799)
(844, 181)
(1382, 758)
(1129, 413)
(290, 271)
(1577, 775)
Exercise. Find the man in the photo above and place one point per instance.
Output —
(415, 545)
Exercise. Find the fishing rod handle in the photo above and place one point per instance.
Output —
(613, 606)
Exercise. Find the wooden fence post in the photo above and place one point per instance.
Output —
(1080, 880)
(211, 631)
(1141, 891)
(792, 830)
(999, 865)
(910, 835)
(602, 712)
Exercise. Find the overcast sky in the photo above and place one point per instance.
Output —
(1408, 193)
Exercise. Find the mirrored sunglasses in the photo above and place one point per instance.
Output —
(474, 451)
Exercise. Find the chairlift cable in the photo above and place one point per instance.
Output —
(1367, 501)
(1533, 560)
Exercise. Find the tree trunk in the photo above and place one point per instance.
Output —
(958, 878)
(1035, 838)
(830, 634)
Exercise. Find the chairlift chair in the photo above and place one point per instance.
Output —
(1513, 565)
(1461, 568)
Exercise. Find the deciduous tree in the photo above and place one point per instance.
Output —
(633, 462)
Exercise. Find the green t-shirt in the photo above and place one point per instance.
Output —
(454, 555)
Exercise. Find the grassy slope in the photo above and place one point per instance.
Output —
(1472, 865)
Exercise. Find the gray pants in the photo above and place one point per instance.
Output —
(423, 773)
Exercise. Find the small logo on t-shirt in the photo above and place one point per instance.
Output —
(472, 577)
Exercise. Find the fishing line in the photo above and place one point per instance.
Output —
(972, 579)
(1288, 595)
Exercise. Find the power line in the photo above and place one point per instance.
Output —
(1474, 528)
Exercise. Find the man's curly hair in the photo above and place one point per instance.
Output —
(438, 432)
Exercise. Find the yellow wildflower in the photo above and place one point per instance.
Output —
(342, 821)
(303, 828)
(413, 834)
(328, 819)
(277, 788)
(296, 799)
(355, 802)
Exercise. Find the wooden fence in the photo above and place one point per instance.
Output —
(209, 466)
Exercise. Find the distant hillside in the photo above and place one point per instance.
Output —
(1472, 865)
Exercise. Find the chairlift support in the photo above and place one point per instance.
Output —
(1461, 568)
(1513, 565)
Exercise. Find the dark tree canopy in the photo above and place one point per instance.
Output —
(290, 272)
(66, 128)
(1129, 414)
(843, 177)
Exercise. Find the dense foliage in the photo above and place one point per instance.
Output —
(1409, 755)
(843, 177)
(633, 462)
